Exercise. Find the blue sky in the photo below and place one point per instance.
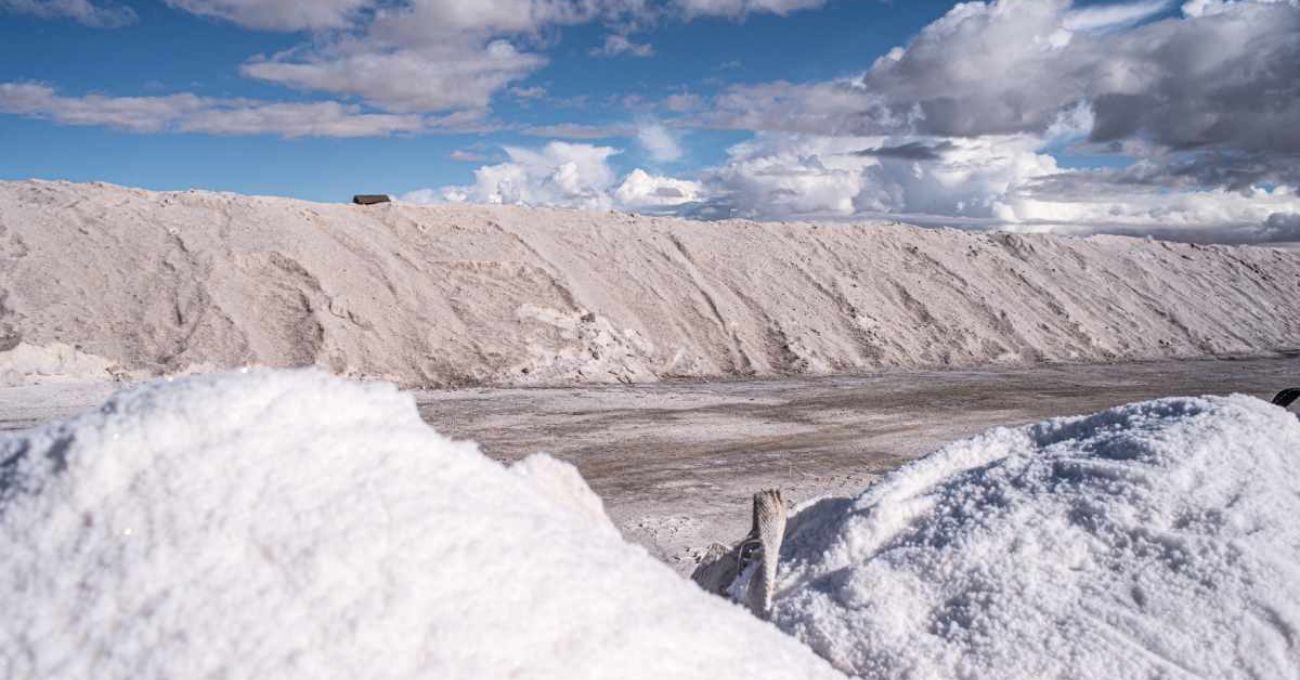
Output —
(168, 50)
(1001, 114)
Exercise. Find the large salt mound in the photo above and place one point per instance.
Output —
(1159, 539)
(99, 281)
(291, 525)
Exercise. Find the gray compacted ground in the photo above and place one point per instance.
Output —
(676, 463)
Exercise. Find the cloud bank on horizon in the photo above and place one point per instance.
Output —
(1143, 117)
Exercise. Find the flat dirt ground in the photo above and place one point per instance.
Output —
(677, 462)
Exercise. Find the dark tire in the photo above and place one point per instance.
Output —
(1287, 397)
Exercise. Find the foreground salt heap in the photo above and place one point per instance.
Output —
(1154, 540)
(291, 525)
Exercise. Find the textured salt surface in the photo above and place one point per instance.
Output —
(292, 525)
(1156, 540)
(98, 280)
(676, 463)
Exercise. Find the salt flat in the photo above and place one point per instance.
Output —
(675, 462)
(681, 365)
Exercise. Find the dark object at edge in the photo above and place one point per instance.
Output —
(370, 199)
(1286, 397)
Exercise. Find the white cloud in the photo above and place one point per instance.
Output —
(989, 182)
(1190, 214)
(425, 55)
(995, 183)
(831, 108)
(683, 102)
(278, 15)
(190, 113)
(305, 119)
(568, 175)
(788, 177)
(81, 11)
(534, 92)
(1222, 76)
(616, 45)
(467, 156)
(659, 142)
(958, 126)
(415, 56)
(782, 176)
(739, 8)
(777, 176)
(967, 182)
(1198, 8)
(418, 21)
(430, 55)
(642, 191)
(407, 22)
(557, 174)
(578, 131)
(1112, 16)
(435, 78)
(136, 114)
(430, 197)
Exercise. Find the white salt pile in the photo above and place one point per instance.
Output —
(101, 282)
(291, 525)
(1154, 540)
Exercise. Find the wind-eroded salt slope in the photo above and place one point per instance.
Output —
(98, 280)
(292, 525)
(1156, 540)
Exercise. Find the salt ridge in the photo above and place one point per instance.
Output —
(101, 281)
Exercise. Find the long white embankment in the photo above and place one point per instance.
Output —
(98, 280)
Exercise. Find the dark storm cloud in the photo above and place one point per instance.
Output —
(1222, 76)
(1282, 227)
(911, 151)
(1228, 80)
(1233, 171)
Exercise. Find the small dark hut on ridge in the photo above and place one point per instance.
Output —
(370, 199)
